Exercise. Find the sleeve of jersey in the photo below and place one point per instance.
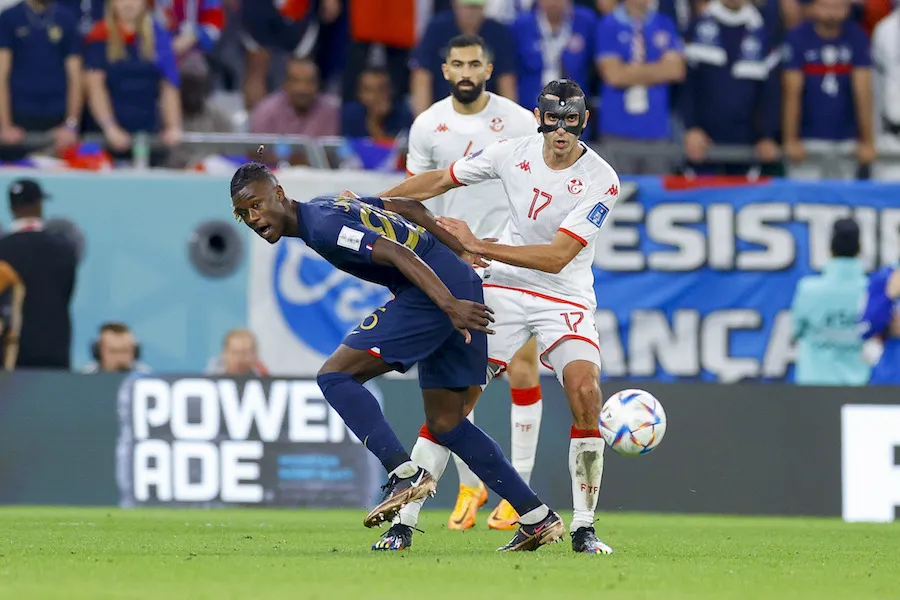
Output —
(477, 167)
(879, 308)
(373, 201)
(791, 55)
(584, 223)
(418, 157)
(862, 56)
(352, 240)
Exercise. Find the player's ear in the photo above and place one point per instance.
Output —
(446, 71)
(488, 71)
(279, 193)
(587, 115)
(537, 115)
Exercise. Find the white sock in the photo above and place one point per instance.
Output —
(407, 469)
(433, 458)
(586, 469)
(525, 420)
(466, 476)
(535, 515)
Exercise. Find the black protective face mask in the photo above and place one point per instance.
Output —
(561, 109)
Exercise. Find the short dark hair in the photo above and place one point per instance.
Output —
(845, 239)
(250, 173)
(247, 174)
(373, 71)
(467, 41)
(563, 89)
(114, 327)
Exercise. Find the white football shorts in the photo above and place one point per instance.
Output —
(565, 330)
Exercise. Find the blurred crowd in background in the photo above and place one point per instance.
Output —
(787, 78)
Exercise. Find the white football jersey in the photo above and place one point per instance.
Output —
(542, 202)
(440, 135)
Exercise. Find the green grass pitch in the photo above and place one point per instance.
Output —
(75, 554)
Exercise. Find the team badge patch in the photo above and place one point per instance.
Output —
(598, 214)
(575, 186)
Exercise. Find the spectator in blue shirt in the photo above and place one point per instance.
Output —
(556, 41)
(427, 83)
(731, 92)
(287, 26)
(40, 74)
(828, 102)
(132, 77)
(374, 114)
(881, 321)
(639, 55)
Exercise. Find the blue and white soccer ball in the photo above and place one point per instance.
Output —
(632, 422)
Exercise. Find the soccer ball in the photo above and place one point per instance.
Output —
(632, 422)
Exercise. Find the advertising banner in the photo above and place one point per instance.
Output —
(745, 449)
(198, 441)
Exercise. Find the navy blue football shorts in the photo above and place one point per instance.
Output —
(411, 329)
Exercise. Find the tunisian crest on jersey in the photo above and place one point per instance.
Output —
(497, 124)
(575, 186)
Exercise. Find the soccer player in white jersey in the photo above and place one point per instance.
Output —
(540, 282)
(463, 123)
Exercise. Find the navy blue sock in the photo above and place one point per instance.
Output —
(484, 457)
(360, 411)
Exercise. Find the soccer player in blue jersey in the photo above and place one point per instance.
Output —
(436, 319)
(881, 320)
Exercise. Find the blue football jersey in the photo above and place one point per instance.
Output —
(343, 231)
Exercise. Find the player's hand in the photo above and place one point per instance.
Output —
(349, 194)
(865, 153)
(466, 315)
(795, 150)
(64, 137)
(12, 135)
(171, 136)
(696, 143)
(461, 232)
(475, 260)
(766, 150)
(117, 138)
(892, 289)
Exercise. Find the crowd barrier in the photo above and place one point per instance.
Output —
(188, 440)
(692, 283)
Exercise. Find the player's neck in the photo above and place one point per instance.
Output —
(635, 12)
(291, 219)
(473, 108)
(827, 31)
(559, 163)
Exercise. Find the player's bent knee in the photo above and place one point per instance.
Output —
(442, 424)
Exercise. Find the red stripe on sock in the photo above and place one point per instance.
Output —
(584, 433)
(424, 433)
(526, 396)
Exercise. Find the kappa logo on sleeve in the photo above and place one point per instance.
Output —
(598, 214)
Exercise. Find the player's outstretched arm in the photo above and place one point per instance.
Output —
(464, 314)
(419, 214)
(550, 258)
(423, 186)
